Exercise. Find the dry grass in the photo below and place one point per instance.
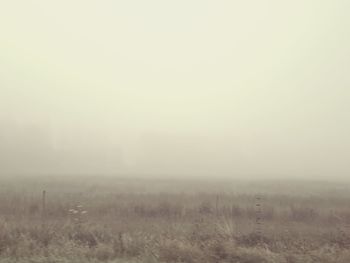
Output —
(119, 220)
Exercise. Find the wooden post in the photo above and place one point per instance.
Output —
(43, 211)
(258, 216)
(217, 205)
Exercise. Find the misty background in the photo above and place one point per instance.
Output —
(234, 88)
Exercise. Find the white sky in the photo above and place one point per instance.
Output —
(260, 85)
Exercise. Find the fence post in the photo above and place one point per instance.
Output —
(43, 211)
(217, 205)
(258, 215)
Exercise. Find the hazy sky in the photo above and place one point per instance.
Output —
(195, 86)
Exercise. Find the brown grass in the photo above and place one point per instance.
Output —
(123, 220)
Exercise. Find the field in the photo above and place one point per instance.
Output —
(116, 219)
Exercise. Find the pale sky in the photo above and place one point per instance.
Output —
(195, 86)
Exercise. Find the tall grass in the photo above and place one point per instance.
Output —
(120, 220)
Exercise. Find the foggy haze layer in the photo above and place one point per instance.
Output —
(237, 88)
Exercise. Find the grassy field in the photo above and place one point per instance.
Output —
(115, 219)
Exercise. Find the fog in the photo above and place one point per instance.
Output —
(232, 88)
